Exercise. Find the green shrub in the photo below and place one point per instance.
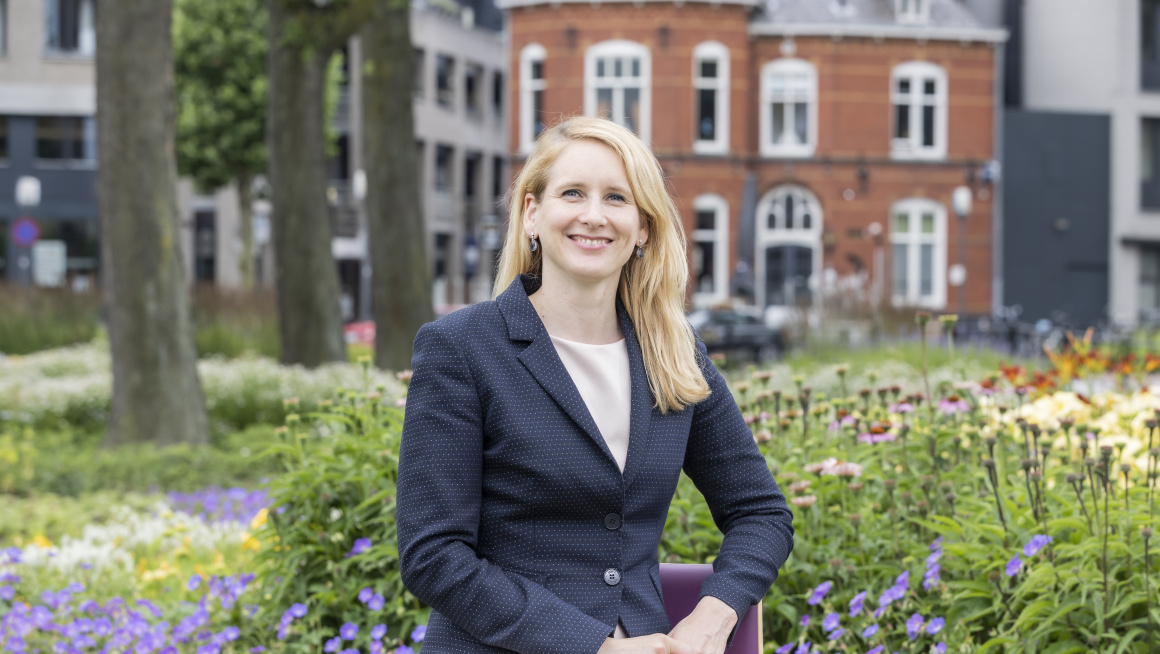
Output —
(37, 319)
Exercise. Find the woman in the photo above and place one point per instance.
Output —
(546, 430)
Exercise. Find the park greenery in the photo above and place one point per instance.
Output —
(948, 506)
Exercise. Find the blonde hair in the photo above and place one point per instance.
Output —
(651, 288)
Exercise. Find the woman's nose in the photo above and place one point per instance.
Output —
(593, 212)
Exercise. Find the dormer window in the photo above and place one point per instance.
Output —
(912, 12)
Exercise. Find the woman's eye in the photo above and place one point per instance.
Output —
(571, 193)
(616, 197)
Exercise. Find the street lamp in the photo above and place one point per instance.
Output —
(961, 202)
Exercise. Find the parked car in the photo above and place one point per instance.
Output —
(727, 330)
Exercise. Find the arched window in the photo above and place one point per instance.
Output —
(711, 102)
(532, 85)
(617, 84)
(918, 93)
(918, 240)
(789, 108)
(789, 232)
(710, 249)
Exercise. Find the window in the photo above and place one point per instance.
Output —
(70, 26)
(3, 136)
(3, 27)
(711, 86)
(204, 246)
(1149, 50)
(918, 93)
(789, 233)
(532, 85)
(472, 163)
(443, 174)
(789, 108)
(445, 81)
(66, 138)
(617, 86)
(497, 94)
(710, 253)
(1149, 165)
(421, 164)
(338, 165)
(1149, 291)
(472, 91)
(418, 70)
(918, 252)
(498, 181)
(912, 12)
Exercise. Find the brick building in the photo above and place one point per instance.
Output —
(811, 144)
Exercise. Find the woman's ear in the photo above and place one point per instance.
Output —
(642, 234)
(530, 209)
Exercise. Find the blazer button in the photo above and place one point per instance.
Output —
(612, 576)
(612, 521)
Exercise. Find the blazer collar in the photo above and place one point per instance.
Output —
(542, 361)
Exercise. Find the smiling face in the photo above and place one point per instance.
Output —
(586, 221)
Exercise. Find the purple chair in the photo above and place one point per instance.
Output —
(681, 586)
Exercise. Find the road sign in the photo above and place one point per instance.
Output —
(25, 232)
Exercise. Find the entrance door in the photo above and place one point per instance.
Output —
(787, 275)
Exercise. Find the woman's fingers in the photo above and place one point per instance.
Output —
(651, 644)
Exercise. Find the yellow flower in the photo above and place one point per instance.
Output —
(259, 519)
(41, 541)
(250, 543)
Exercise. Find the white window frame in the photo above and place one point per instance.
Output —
(718, 52)
(788, 67)
(780, 235)
(529, 54)
(917, 72)
(912, 239)
(912, 12)
(719, 237)
(86, 30)
(620, 48)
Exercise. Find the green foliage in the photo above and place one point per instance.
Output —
(36, 319)
(220, 68)
(338, 487)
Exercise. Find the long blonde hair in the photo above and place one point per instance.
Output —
(651, 288)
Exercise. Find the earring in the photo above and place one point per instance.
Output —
(640, 250)
(533, 240)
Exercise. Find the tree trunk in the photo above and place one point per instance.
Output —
(306, 275)
(157, 396)
(246, 227)
(401, 277)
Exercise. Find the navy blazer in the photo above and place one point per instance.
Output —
(515, 523)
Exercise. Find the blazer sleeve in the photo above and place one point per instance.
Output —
(724, 463)
(438, 503)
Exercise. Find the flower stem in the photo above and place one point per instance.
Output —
(1082, 505)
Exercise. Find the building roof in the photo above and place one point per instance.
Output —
(947, 20)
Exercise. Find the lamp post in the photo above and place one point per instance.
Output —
(961, 202)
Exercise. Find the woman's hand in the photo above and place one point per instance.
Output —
(706, 630)
(651, 644)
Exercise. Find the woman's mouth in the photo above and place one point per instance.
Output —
(590, 243)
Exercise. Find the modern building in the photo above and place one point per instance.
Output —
(812, 144)
(1083, 153)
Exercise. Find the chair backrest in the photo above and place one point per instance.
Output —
(681, 586)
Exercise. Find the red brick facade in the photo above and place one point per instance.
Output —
(851, 172)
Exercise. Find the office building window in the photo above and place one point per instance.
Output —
(789, 108)
(3, 27)
(445, 81)
(1150, 44)
(472, 89)
(3, 136)
(1149, 291)
(498, 180)
(711, 98)
(80, 243)
(421, 164)
(444, 154)
(66, 138)
(418, 70)
(532, 85)
(710, 255)
(70, 26)
(1150, 163)
(617, 84)
(497, 94)
(204, 246)
(918, 242)
(472, 163)
(918, 93)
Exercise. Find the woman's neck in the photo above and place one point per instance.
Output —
(581, 313)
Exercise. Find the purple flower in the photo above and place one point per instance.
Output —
(941, 648)
(333, 644)
(870, 631)
(902, 407)
(378, 631)
(9, 578)
(784, 649)
(403, 649)
(365, 594)
(348, 631)
(831, 622)
(194, 582)
(877, 650)
(913, 625)
(951, 406)
(376, 647)
(376, 602)
(837, 633)
(7, 592)
(360, 545)
(856, 603)
(930, 578)
(937, 544)
(297, 610)
(1037, 543)
(76, 587)
(258, 649)
(350, 650)
(806, 620)
(419, 633)
(936, 625)
(820, 593)
(804, 648)
(231, 633)
(1013, 566)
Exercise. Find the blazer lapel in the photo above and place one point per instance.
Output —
(642, 398)
(542, 361)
